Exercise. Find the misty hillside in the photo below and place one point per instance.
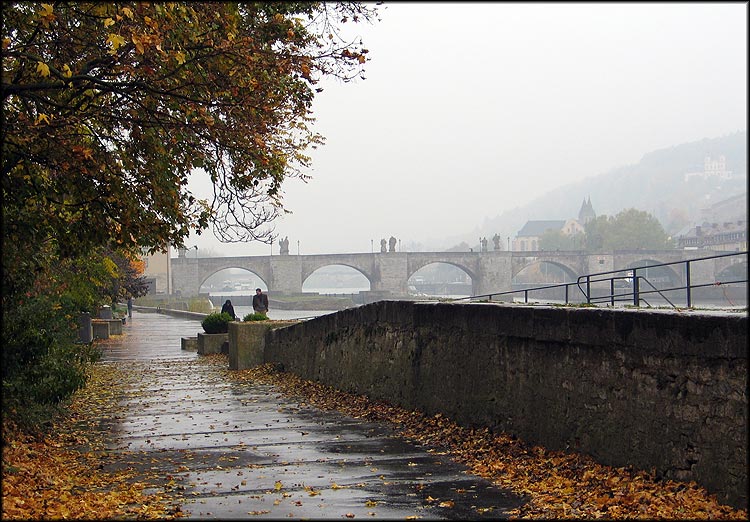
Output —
(656, 184)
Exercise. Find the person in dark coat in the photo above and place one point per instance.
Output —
(229, 309)
(260, 302)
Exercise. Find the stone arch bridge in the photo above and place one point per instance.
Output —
(388, 272)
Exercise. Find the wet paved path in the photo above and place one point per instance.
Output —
(241, 450)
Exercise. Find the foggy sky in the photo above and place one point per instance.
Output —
(470, 109)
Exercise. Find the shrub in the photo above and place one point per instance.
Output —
(42, 363)
(255, 317)
(216, 323)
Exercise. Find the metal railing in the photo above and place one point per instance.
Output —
(636, 286)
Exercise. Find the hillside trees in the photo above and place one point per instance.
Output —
(108, 108)
(557, 240)
(630, 229)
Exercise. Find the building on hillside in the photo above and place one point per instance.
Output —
(729, 236)
(586, 213)
(723, 227)
(527, 239)
(572, 227)
(157, 271)
(712, 168)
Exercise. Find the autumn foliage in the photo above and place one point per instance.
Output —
(110, 107)
(108, 110)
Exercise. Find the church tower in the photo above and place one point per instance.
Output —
(586, 213)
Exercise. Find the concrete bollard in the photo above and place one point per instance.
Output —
(85, 330)
(210, 343)
(105, 312)
(100, 328)
(189, 343)
(247, 342)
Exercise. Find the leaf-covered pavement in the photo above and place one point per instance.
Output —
(75, 473)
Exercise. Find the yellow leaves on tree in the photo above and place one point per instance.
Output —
(46, 15)
(43, 69)
(115, 41)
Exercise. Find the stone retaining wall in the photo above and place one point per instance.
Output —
(247, 342)
(654, 389)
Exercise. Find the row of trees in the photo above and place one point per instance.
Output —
(108, 108)
(628, 230)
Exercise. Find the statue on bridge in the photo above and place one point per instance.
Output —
(284, 246)
(382, 245)
(392, 244)
(484, 244)
(496, 240)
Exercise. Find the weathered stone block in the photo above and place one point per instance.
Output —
(247, 342)
(100, 328)
(115, 326)
(211, 343)
(189, 343)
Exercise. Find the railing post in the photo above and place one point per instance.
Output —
(636, 289)
(687, 282)
(566, 294)
(612, 291)
(588, 289)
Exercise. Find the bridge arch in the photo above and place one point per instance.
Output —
(661, 275)
(416, 267)
(306, 277)
(418, 264)
(435, 285)
(263, 284)
(732, 272)
(215, 270)
(567, 270)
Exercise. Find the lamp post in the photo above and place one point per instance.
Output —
(508, 243)
(399, 245)
(298, 247)
(372, 247)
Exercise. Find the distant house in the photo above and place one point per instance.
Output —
(157, 272)
(729, 236)
(723, 227)
(527, 239)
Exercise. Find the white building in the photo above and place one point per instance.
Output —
(712, 168)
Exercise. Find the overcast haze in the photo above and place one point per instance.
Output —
(470, 109)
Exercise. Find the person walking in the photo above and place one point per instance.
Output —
(130, 307)
(229, 309)
(260, 302)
